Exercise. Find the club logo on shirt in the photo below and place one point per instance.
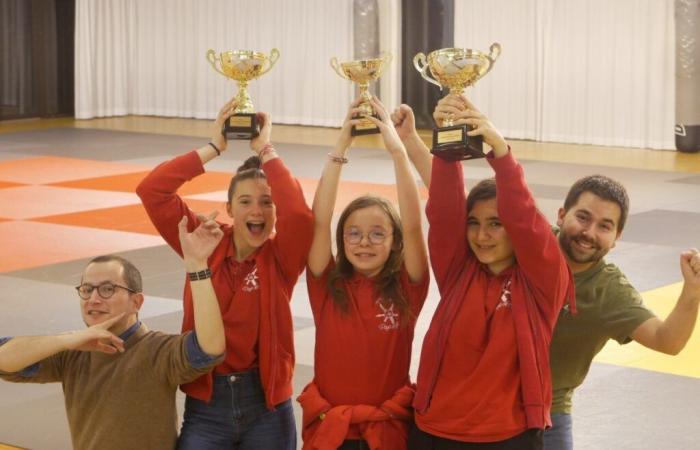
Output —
(389, 317)
(251, 281)
(504, 302)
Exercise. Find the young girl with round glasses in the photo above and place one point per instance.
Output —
(365, 303)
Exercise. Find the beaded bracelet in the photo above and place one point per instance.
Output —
(201, 275)
(267, 148)
(338, 159)
(218, 152)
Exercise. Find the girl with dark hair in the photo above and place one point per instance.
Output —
(365, 303)
(483, 379)
(245, 403)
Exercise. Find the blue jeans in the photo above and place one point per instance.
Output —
(237, 418)
(560, 436)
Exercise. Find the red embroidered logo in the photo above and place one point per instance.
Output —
(504, 302)
(251, 281)
(390, 318)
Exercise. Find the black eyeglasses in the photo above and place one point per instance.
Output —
(354, 236)
(104, 290)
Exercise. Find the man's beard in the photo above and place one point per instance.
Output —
(566, 244)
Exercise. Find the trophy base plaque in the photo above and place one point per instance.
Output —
(241, 126)
(365, 127)
(453, 144)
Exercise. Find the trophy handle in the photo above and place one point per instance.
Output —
(421, 65)
(386, 58)
(494, 53)
(336, 67)
(211, 57)
(271, 60)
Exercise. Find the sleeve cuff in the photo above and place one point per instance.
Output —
(27, 372)
(197, 357)
(504, 161)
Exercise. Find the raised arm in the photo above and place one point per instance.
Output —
(21, 352)
(326, 194)
(670, 335)
(158, 191)
(415, 253)
(197, 246)
(294, 225)
(447, 209)
(535, 246)
(419, 154)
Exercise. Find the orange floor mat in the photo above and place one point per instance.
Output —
(27, 244)
(207, 182)
(126, 182)
(131, 218)
(5, 184)
(26, 202)
(53, 169)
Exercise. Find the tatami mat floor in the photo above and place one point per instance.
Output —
(67, 194)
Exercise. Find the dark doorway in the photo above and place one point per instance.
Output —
(36, 58)
(426, 25)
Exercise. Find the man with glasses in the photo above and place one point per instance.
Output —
(119, 378)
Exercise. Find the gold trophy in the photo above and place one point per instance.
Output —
(456, 68)
(242, 66)
(362, 72)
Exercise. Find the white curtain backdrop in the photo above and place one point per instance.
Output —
(148, 57)
(580, 71)
(390, 40)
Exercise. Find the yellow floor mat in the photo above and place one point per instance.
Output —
(687, 363)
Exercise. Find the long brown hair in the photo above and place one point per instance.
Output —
(388, 280)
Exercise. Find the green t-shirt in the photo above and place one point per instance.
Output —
(609, 307)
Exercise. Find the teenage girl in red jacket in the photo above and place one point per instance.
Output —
(365, 303)
(483, 380)
(246, 401)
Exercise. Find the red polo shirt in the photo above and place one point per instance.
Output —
(362, 357)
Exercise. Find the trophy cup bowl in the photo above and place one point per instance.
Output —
(456, 68)
(242, 66)
(363, 72)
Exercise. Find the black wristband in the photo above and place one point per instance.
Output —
(201, 275)
(218, 152)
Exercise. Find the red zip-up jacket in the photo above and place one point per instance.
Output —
(280, 261)
(540, 281)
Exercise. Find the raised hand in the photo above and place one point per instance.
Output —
(257, 143)
(226, 111)
(690, 268)
(198, 245)
(345, 137)
(461, 111)
(392, 142)
(404, 121)
(448, 108)
(96, 338)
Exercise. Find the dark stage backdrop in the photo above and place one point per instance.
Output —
(426, 25)
(36, 58)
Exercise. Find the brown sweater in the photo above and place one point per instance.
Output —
(122, 401)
